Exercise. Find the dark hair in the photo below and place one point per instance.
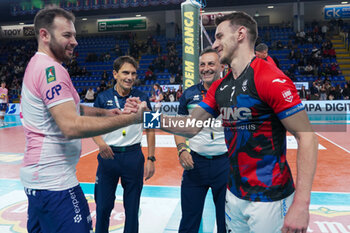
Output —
(240, 18)
(208, 50)
(261, 47)
(157, 85)
(45, 17)
(120, 61)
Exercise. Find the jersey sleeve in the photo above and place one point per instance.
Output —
(98, 101)
(279, 92)
(209, 103)
(55, 85)
(183, 105)
(149, 106)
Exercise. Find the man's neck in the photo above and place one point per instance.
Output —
(48, 52)
(121, 91)
(240, 62)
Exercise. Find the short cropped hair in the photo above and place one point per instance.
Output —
(45, 17)
(120, 61)
(208, 50)
(240, 18)
(262, 47)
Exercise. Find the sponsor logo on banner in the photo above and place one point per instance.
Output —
(17, 31)
(12, 109)
(15, 215)
(151, 120)
(28, 31)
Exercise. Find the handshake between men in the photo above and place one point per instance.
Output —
(133, 105)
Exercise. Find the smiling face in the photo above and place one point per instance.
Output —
(62, 41)
(226, 41)
(125, 78)
(209, 68)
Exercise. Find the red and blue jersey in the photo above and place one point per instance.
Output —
(252, 107)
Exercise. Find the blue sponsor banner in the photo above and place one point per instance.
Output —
(13, 109)
(337, 11)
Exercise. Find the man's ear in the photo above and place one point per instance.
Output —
(115, 74)
(44, 35)
(242, 33)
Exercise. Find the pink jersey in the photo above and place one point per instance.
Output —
(3, 94)
(49, 158)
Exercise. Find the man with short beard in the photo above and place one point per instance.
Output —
(53, 121)
(205, 160)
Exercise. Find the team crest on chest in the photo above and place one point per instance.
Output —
(109, 103)
(244, 85)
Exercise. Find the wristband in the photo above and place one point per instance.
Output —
(182, 150)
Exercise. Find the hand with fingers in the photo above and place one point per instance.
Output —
(149, 170)
(296, 219)
(106, 152)
(186, 161)
(113, 112)
(131, 105)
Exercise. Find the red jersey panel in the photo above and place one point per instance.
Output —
(252, 107)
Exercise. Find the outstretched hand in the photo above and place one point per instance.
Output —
(113, 112)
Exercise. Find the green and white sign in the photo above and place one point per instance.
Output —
(125, 24)
(190, 42)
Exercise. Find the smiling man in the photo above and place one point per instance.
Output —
(206, 164)
(258, 104)
(53, 123)
(120, 154)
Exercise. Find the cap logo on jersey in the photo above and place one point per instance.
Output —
(287, 95)
(50, 74)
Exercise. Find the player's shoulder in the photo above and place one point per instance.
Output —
(137, 93)
(108, 92)
(221, 81)
(265, 71)
(44, 64)
(192, 89)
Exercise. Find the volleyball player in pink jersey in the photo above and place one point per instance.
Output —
(53, 121)
(3, 102)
